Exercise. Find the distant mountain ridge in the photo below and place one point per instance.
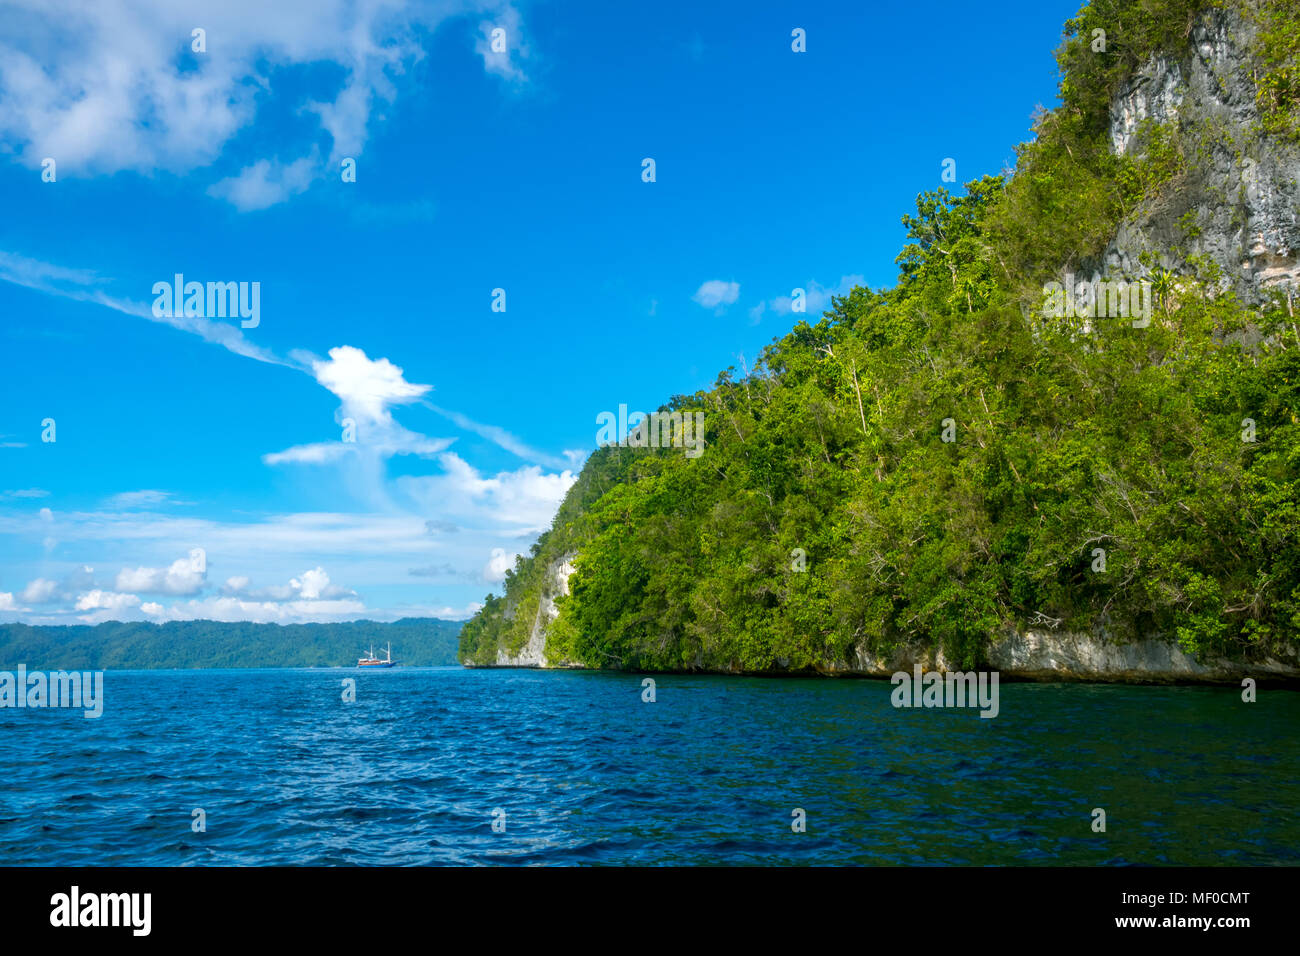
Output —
(116, 645)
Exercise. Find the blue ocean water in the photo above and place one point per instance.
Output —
(587, 773)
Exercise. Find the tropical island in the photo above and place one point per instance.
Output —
(948, 471)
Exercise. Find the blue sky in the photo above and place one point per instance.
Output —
(198, 468)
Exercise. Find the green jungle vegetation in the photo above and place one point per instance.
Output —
(1067, 440)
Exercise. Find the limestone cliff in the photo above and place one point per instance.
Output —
(1235, 200)
(533, 653)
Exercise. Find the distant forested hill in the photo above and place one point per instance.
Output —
(183, 644)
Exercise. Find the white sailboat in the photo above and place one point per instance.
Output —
(373, 661)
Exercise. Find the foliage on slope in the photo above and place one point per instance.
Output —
(1068, 440)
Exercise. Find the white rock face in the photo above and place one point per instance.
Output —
(1158, 100)
(1050, 655)
(533, 653)
(1243, 189)
(1040, 654)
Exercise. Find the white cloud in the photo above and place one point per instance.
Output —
(717, 294)
(817, 297)
(182, 577)
(309, 596)
(501, 438)
(137, 499)
(471, 513)
(456, 613)
(368, 388)
(114, 85)
(98, 600)
(311, 585)
(25, 493)
(83, 286)
(41, 591)
(524, 501)
(265, 612)
(507, 63)
(265, 184)
(7, 602)
(46, 591)
(498, 564)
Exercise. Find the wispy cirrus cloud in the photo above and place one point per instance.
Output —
(83, 285)
(144, 498)
(503, 439)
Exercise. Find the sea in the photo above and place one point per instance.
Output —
(448, 766)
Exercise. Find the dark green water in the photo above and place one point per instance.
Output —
(587, 773)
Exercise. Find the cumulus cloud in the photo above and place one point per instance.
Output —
(183, 576)
(311, 585)
(7, 602)
(307, 597)
(47, 591)
(368, 388)
(717, 294)
(524, 501)
(498, 564)
(99, 600)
